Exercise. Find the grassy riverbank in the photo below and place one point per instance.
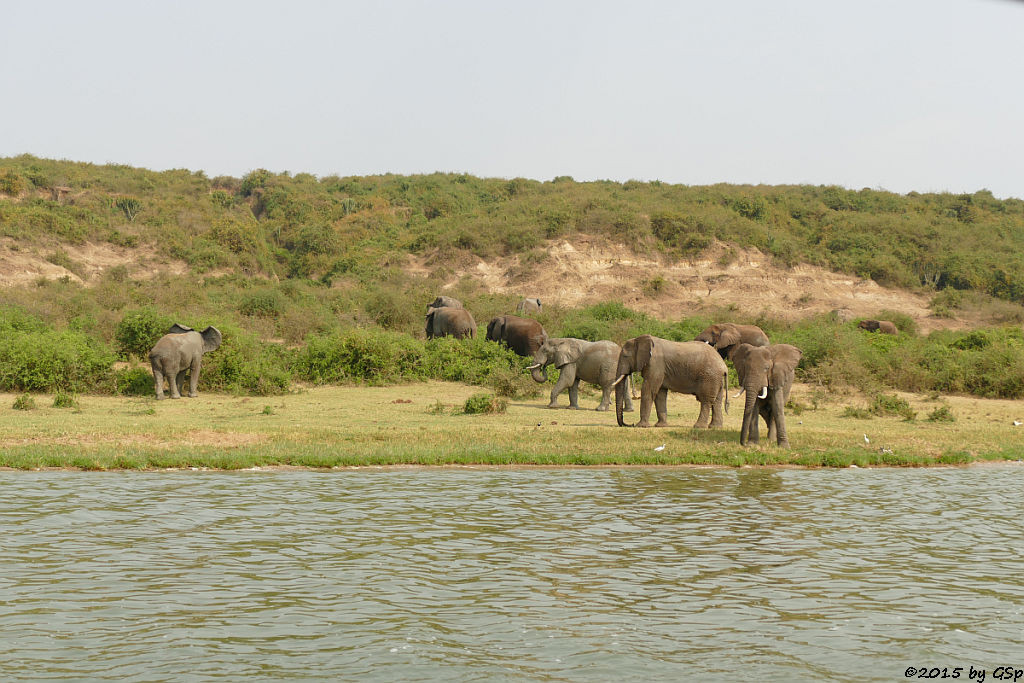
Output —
(423, 424)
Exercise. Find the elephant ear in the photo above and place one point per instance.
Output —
(729, 336)
(178, 328)
(211, 339)
(643, 352)
(786, 357)
(740, 357)
(565, 353)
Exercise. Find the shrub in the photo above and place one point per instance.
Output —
(266, 303)
(891, 405)
(244, 364)
(62, 399)
(136, 381)
(48, 361)
(24, 402)
(484, 404)
(941, 414)
(363, 355)
(139, 330)
(11, 183)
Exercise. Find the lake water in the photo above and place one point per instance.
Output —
(578, 575)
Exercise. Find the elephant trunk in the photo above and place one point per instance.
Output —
(539, 374)
(749, 417)
(620, 398)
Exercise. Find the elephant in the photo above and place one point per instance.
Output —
(449, 322)
(883, 326)
(766, 375)
(687, 367)
(179, 351)
(522, 335)
(578, 359)
(531, 305)
(444, 302)
(724, 336)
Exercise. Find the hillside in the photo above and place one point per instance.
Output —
(113, 254)
(662, 249)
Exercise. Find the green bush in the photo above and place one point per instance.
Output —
(484, 404)
(24, 402)
(63, 399)
(361, 354)
(265, 303)
(245, 365)
(941, 414)
(48, 361)
(139, 330)
(136, 381)
(11, 183)
(891, 405)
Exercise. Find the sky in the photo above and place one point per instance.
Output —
(901, 95)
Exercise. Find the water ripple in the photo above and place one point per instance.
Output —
(484, 575)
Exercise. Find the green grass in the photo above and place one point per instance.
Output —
(400, 425)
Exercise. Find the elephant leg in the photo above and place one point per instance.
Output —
(175, 381)
(566, 376)
(574, 395)
(193, 387)
(606, 396)
(158, 377)
(754, 435)
(704, 418)
(646, 401)
(769, 419)
(661, 403)
(717, 411)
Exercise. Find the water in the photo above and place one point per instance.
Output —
(635, 574)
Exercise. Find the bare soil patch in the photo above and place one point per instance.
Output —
(589, 270)
(23, 264)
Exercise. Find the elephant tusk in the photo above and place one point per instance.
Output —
(738, 394)
(533, 367)
(621, 377)
(764, 392)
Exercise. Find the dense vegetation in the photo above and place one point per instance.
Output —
(304, 276)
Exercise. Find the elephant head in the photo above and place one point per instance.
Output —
(720, 335)
(636, 354)
(496, 329)
(444, 302)
(557, 351)
(211, 335)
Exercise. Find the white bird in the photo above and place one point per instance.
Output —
(660, 448)
(1017, 423)
(866, 439)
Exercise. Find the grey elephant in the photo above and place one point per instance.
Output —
(529, 305)
(576, 360)
(686, 367)
(766, 375)
(179, 351)
(522, 335)
(449, 322)
(444, 302)
(724, 336)
(883, 326)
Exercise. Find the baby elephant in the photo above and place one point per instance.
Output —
(883, 326)
(178, 352)
(578, 359)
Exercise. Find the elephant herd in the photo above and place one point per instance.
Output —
(698, 367)
(765, 371)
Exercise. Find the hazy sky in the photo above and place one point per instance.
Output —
(923, 95)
